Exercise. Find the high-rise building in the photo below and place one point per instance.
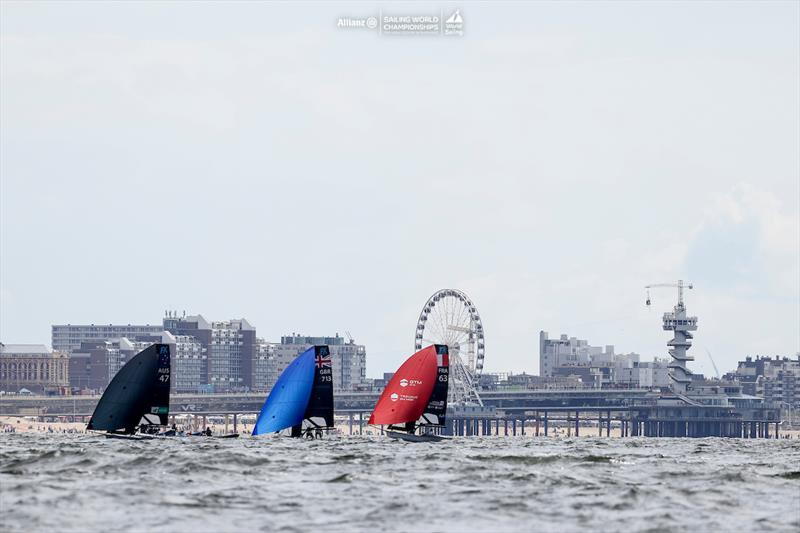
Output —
(220, 355)
(264, 366)
(231, 355)
(68, 337)
(567, 351)
(190, 364)
(348, 359)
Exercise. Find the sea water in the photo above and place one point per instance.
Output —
(89, 483)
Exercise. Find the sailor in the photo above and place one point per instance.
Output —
(208, 431)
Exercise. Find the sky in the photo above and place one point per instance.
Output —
(254, 160)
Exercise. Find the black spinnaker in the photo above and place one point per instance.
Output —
(138, 395)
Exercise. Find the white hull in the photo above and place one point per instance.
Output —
(413, 437)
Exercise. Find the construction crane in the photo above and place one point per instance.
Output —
(713, 363)
(680, 285)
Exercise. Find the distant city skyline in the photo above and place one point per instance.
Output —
(549, 163)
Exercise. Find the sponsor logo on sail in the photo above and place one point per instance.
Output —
(394, 397)
(404, 383)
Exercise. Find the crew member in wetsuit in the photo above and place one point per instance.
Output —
(208, 431)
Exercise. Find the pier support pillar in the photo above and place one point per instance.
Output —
(514, 427)
(577, 421)
(351, 423)
(523, 427)
(545, 423)
(235, 422)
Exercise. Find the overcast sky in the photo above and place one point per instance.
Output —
(253, 160)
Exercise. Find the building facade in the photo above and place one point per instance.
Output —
(68, 337)
(193, 337)
(597, 366)
(93, 365)
(776, 379)
(264, 367)
(566, 351)
(33, 367)
(189, 364)
(348, 359)
(231, 355)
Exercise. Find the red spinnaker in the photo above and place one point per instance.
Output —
(405, 397)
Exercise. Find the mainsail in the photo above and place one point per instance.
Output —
(319, 412)
(137, 395)
(417, 391)
(436, 409)
(302, 396)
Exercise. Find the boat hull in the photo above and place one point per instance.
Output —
(122, 436)
(413, 437)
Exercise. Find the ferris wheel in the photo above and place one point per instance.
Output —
(449, 317)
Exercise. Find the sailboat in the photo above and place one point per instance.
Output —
(302, 398)
(416, 397)
(135, 405)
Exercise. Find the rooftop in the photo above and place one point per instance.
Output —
(18, 349)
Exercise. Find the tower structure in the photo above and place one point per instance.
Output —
(681, 326)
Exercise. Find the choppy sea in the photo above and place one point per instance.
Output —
(88, 483)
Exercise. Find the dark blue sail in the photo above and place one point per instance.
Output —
(287, 402)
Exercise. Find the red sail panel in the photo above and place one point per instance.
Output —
(405, 397)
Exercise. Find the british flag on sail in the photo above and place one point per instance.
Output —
(323, 360)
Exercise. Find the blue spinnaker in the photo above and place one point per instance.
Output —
(288, 399)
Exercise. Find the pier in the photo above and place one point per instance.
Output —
(597, 412)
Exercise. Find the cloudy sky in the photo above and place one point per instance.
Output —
(255, 160)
